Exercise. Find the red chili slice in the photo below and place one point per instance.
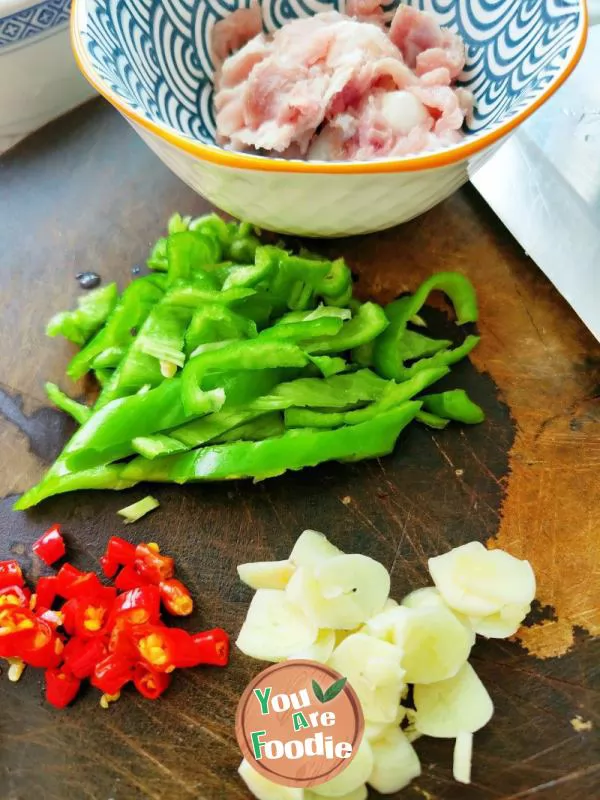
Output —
(50, 546)
(61, 687)
(128, 578)
(120, 551)
(81, 655)
(176, 598)
(10, 574)
(46, 591)
(149, 683)
(153, 566)
(112, 673)
(15, 596)
(138, 606)
(213, 646)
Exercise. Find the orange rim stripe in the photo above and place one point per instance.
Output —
(226, 158)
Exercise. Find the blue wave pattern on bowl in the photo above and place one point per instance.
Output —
(23, 25)
(156, 54)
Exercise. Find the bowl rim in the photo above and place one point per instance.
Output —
(227, 158)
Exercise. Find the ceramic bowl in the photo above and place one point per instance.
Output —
(152, 60)
(39, 79)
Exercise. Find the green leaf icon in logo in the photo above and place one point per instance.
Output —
(331, 693)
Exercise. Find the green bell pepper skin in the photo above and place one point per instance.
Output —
(78, 411)
(336, 282)
(108, 433)
(264, 427)
(253, 354)
(243, 248)
(388, 357)
(128, 316)
(109, 358)
(454, 405)
(215, 227)
(61, 481)
(157, 445)
(339, 391)
(294, 450)
(248, 276)
(431, 420)
(93, 308)
(157, 260)
(369, 322)
(415, 345)
(214, 323)
(306, 331)
(391, 396)
(193, 295)
(328, 365)
(164, 334)
(444, 358)
(188, 252)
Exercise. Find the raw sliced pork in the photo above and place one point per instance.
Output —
(339, 87)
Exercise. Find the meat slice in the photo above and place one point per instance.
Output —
(234, 31)
(424, 45)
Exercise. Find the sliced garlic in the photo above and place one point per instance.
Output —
(479, 582)
(373, 670)
(311, 548)
(264, 789)
(266, 574)
(395, 762)
(433, 643)
(321, 649)
(341, 592)
(458, 705)
(274, 628)
(463, 756)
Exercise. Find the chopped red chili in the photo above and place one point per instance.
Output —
(120, 551)
(66, 576)
(112, 673)
(149, 683)
(61, 687)
(15, 596)
(10, 574)
(109, 568)
(86, 585)
(81, 655)
(18, 628)
(176, 598)
(50, 546)
(128, 578)
(138, 606)
(46, 591)
(213, 646)
(153, 566)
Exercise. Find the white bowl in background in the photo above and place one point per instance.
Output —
(152, 59)
(39, 79)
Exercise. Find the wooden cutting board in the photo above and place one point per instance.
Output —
(85, 193)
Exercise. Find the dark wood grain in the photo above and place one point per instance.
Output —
(85, 193)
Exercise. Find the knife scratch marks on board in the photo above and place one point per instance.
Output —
(534, 790)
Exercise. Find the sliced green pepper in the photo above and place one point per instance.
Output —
(388, 358)
(188, 252)
(78, 411)
(253, 354)
(368, 323)
(263, 427)
(107, 435)
(295, 450)
(91, 313)
(431, 420)
(213, 323)
(129, 314)
(57, 482)
(455, 405)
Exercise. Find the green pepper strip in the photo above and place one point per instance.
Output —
(294, 450)
(328, 365)
(455, 405)
(264, 427)
(61, 481)
(91, 313)
(392, 395)
(388, 358)
(368, 323)
(304, 331)
(107, 435)
(129, 314)
(415, 345)
(253, 354)
(214, 323)
(157, 445)
(188, 252)
(109, 358)
(78, 411)
(431, 420)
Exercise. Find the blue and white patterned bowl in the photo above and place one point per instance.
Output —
(152, 60)
(38, 76)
